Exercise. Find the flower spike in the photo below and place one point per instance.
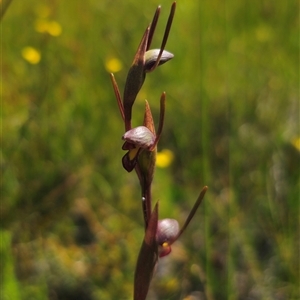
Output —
(140, 142)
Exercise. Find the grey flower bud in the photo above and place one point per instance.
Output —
(151, 57)
(167, 231)
(140, 136)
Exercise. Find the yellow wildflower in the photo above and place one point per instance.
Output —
(113, 65)
(32, 55)
(296, 143)
(164, 158)
(54, 28)
(51, 27)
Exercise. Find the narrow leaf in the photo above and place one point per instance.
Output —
(153, 26)
(118, 95)
(193, 211)
(166, 35)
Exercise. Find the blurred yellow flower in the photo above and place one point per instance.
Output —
(296, 143)
(31, 54)
(52, 27)
(164, 158)
(113, 65)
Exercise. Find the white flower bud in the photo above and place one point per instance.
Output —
(167, 231)
(140, 136)
(151, 57)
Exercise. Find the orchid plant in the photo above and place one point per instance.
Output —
(141, 145)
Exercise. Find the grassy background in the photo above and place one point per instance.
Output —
(71, 216)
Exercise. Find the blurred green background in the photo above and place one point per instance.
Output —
(71, 220)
